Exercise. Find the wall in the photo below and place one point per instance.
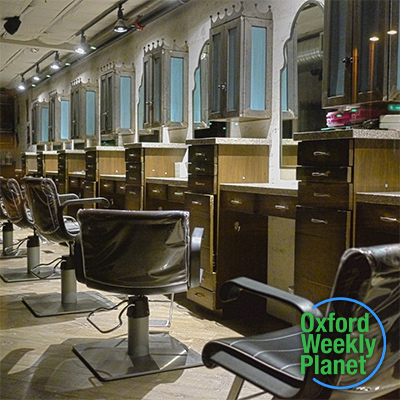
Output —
(190, 22)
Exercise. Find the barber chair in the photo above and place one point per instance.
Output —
(137, 253)
(18, 213)
(47, 207)
(272, 361)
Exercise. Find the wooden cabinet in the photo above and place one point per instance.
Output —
(113, 189)
(241, 65)
(333, 168)
(148, 160)
(361, 63)
(29, 163)
(47, 163)
(69, 161)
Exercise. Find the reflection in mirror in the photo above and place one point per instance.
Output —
(200, 91)
(301, 79)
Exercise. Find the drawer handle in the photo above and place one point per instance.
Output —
(198, 169)
(122, 188)
(196, 203)
(322, 195)
(198, 294)
(280, 207)
(319, 221)
(199, 183)
(106, 185)
(198, 154)
(321, 154)
(178, 193)
(156, 191)
(388, 219)
(320, 174)
(130, 192)
(238, 202)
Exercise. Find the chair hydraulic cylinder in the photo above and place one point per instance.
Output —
(33, 247)
(138, 326)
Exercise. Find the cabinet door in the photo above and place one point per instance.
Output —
(338, 53)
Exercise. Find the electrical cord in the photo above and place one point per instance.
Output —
(44, 264)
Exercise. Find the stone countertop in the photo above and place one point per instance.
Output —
(70, 151)
(51, 172)
(168, 181)
(105, 148)
(151, 145)
(77, 174)
(348, 134)
(218, 140)
(113, 177)
(385, 198)
(262, 188)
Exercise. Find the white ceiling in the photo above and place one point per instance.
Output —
(49, 25)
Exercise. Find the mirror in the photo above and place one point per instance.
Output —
(301, 80)
(200, 91)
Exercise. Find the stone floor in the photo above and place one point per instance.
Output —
(37, 362)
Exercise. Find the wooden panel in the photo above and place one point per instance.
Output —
(326, 152)
(243, 202)
(336, 195)
(203, 297)
(278, 206)
(161, 162)
(111, 162)
(324, 174)
(133, 197)
(313, 291)
(209, 280)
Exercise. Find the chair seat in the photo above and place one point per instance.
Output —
(278, 351)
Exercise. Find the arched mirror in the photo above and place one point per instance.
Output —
(301, 80)
(200, 91)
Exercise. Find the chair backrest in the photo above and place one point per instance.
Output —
(46, 208)
(370, 276)
(135, 252)
(15, 204)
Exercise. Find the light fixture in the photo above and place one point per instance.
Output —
(120, 25)
(374, 38)
(56, 63)
(37, 76)
(22, 85)
(12, 24)
(392, 32)
(82, 47)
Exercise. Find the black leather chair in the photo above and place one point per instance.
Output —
(19, 214)
(272, 361)
(137, 253)
(47, 208)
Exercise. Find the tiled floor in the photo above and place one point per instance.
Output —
(37, 362)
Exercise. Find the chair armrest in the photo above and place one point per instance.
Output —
(195, 250)
(90, 200)
(230, 291)
(67, 196)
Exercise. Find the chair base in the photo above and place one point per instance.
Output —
(48, 305)
(19, 253)
(22, 274)
(109, 359)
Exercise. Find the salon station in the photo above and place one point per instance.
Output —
(182, 181)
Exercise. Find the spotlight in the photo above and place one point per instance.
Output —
(56, 63)
(82, 47)
(12, 24)
(22, 85)
(120, 26)
(37, 76)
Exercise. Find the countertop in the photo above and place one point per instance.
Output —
(77, 174)
(105, 148)
(218, 140)
(168, 181)
(348, 134)
(69, 151)
(153, 145)
(386, 198)
(262, 188)
(113, 177)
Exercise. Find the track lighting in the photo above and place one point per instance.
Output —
(82, 47)
(37, 76)
(12, 24)
(120, 25)
(56, 63)
(22, 85)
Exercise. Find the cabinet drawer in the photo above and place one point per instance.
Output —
(335, 195)
(202, 169)
(242, 202)
(133, 155)
(176, 193)
(107, 186)
(89, 189)
(278, 206)
(120, 187)
(202, 296)
(199, 204)
(91, 174)
(74, 183)
(379, 218)
(202, 154)
(156, 191)
(90, 157)
(320, 174)
(326, 152)
(133, 197)
(322, 222)
(134, 177)
(202, 183)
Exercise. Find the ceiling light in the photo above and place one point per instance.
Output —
(56, 63)
(22, 85)
(82, 47)
(12, 24)
(37, 76)
(120, 25)
(392, 32)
